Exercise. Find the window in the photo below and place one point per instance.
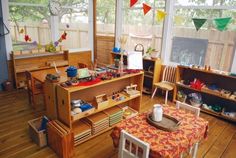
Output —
(74, 20)
(28, 18)
(106, 17)
(140, 28)
(220, 48)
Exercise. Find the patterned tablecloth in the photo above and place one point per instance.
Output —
(165, 144)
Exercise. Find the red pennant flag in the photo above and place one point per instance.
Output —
(146, 8)
(132, 2)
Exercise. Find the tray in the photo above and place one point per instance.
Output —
(168, 123)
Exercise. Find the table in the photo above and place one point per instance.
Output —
(165, 144)
(40, 75)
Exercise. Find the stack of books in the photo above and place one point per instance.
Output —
(115, 115)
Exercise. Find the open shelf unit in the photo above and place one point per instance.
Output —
(211, 97)
(88, 93)
(34, 62)
(152, 71)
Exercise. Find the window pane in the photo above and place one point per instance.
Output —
(140, 28)
(106, 17)
(74, 20)
(29, 20)
(220, 48)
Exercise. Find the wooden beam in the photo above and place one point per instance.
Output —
(94, 30)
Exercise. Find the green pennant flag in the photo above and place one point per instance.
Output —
(222, 23)
(198, 23)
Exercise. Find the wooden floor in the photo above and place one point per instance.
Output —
(15, 141)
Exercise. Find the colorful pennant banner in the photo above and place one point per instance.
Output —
(146, 8)
(160, 15)
(198, 23)
(222, 23)
(133, 2)
(179, 20)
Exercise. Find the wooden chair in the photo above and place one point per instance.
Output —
(134, 146)
(82, 65)
(168, 81)
(196, 111)
(33, 88)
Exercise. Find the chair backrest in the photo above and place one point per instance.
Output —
(187, 107)
(28, 80)
(169, 74)
(132, 147)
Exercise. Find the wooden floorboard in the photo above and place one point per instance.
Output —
(15, 142)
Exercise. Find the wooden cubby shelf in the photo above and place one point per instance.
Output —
(88, 93)
(151, 68)
(210, 97)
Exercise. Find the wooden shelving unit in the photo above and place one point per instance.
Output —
(88, 93)
(151, 67)
(211, 97)
(33, 62)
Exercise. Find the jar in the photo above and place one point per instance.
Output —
(157, 113)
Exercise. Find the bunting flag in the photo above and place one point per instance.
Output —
(146, 8)
(179, 20)
(198, 23)
(133, 2)
(27, 38)
(160, 15)
(222, 23)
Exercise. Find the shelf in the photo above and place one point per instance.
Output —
(206, 92)
(111, 103)
(218, 114)
(92, 136)
(34, 55)
(77, 88)
(143, 58)
(208, 72)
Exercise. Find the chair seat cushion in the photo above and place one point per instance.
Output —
(165, 85)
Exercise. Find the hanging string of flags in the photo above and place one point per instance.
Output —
(219, 23)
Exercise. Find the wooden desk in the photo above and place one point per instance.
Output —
(165, 144)
(41, 74)
(49, 88)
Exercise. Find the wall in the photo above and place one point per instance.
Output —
(3, 56)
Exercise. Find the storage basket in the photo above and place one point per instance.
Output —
(39, 137)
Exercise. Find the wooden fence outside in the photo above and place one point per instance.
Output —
(219, 53)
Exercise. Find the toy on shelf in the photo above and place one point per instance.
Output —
(128, 112)
(79, 106)
(195, 99)
(214, 108)
(117, 97)
(233, 96)
(132, 90)
(225, 93)
(181, 96)
(101, 100)
(196, 84)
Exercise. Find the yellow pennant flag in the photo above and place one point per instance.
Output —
(160, 15)
(179, 20)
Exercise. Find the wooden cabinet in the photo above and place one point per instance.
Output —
(88, 93)
(152, 71)
(209, 96)
(33, 62)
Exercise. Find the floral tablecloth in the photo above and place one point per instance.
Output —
(165, 144)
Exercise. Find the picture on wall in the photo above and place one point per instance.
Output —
(189, 51)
